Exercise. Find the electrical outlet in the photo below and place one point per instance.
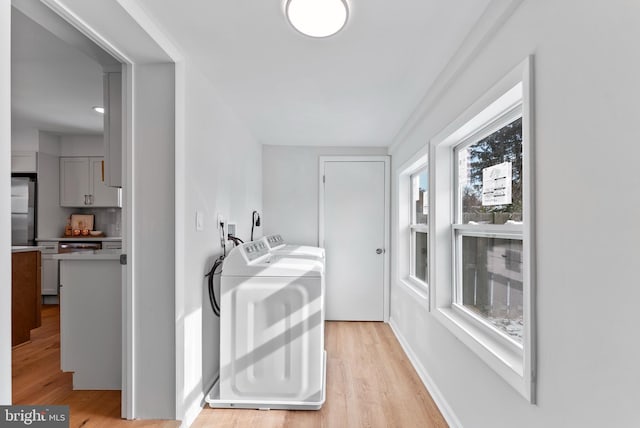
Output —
(231, 229)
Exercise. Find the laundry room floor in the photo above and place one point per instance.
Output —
(370, 383)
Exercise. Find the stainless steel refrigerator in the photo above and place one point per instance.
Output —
(23, 210)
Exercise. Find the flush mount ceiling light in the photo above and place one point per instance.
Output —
(98, 109)
(317, 18)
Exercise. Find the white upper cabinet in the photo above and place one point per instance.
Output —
(113, 129)
(82, 185)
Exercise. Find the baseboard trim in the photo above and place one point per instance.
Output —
(438, 398)
(192, 412)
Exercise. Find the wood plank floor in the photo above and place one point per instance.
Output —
(370, 383)
(38, 380)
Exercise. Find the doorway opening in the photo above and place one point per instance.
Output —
(58, 76)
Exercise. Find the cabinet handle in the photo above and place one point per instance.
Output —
(85, 200)
(91, 198)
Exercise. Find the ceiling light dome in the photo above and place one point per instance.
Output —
(317, 18)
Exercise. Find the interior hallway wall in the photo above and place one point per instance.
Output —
(586, 88)
(290, 188)
(5, 201)
(222, 165)
(153, 232)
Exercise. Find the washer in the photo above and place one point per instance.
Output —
(271, 331)
(279, 247)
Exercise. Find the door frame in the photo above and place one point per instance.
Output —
(387, 213)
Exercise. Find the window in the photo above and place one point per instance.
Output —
(412, 247)
(419, 225)
(487, 228)
(481, 270)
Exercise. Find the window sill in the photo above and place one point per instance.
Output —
(416, 288)
(504, 360)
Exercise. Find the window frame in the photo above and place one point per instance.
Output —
(515, 363)
(404, 263)
(460, 229)
(414, 228)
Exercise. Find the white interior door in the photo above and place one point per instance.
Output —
(352, 230)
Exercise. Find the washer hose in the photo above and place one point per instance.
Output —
(212, 292)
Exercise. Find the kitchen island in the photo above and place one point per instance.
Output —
(25, 292)
(91, 318)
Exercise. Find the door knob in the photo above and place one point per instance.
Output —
(379, 251)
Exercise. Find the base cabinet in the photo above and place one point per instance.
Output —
(25, 295)
(49, 276)
(90, 323)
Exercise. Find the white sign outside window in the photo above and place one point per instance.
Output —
(496, 184)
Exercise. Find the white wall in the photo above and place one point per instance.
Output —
(48, 143)
(220, 169)
(153, 235)
(51, 216)
(24, 139)
(290, 189)
(5, 201)
(82, 145)
(586, 186)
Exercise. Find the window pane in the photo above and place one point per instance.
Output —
(492, 281)
(490, 177)
(420, 250)
(420, 197)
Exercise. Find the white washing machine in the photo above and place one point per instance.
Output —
(271, 332)
(279, 247)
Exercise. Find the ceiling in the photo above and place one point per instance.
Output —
(357, 88)
(54, 85)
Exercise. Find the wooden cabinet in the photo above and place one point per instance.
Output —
(25, 295)
(113, 129)
(82, 185)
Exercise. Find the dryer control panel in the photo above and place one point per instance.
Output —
(274, 241)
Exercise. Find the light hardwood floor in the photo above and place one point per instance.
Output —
(37, 380)
(370, 383)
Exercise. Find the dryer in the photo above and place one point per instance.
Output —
(279, 247)
(271, 331)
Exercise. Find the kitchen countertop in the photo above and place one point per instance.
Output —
(25, 248)
(90, 255)
(83, 238)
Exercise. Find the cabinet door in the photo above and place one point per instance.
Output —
(74, 182)
(102, 196)
(49, 276)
